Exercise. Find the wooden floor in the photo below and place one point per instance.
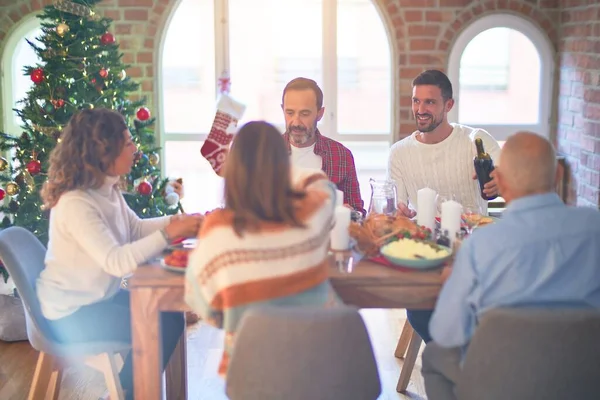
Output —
(17, 363)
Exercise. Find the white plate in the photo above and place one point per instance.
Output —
(168, 267)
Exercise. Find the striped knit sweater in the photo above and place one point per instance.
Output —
(276, 265)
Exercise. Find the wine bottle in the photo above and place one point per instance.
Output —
(484, 165)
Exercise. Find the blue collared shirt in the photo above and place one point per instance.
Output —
(541, 253)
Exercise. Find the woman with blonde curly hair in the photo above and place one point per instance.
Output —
(95, 239)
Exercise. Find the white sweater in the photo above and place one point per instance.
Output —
(446, 167)
(95, 240)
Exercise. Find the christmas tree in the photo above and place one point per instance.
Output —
(80, 67)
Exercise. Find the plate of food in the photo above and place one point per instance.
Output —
(417, 254)
(176, 260)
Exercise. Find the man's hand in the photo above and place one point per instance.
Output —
(490, 189)
(405, 211)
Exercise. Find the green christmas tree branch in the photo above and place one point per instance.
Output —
(80, 66)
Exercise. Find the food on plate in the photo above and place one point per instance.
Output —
(412, 249)
(377, 229)
(177, 258)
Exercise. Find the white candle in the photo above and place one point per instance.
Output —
(339, 199)
(451, 217)
(340, 234)
(426, 208)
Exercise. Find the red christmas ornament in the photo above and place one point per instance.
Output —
(143, 114)
(144, 188)
(34, 167)
(103, 73)
(107, 38)
(2, 194)
(93, 80)
(37, 76)
(58, 103)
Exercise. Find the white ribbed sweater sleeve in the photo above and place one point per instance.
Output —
(85, 224)
(141, 228)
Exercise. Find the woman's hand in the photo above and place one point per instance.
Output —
(184, 225)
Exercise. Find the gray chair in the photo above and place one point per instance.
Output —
(530, 354)
(302, 353)
(23, 256)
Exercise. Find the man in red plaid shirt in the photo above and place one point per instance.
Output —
(302, 105)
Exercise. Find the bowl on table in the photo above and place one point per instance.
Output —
(416, 254)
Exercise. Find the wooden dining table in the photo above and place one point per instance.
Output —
(155, 290)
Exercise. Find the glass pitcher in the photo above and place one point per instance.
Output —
(384, 197)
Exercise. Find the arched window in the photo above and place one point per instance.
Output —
(341, 44)
(502, 70)
(16, 55)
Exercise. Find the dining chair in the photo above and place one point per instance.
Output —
(23, 256)
(298, 353)
(533, 353)
(407, 348)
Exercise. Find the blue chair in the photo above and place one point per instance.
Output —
(23, 256)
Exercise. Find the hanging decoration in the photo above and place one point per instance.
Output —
(62, 29)
(143, 114)
(224, 82)
(12, 189)
(107, 38)
(37, 76)
(75, 9)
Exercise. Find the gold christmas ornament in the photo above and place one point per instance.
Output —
(12, 189)
(153, 159)
(3, 164)
(29, 181)
(62, 29)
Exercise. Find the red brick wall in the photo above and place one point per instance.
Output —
(423, 31)
(578, 132)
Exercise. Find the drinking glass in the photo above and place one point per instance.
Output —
(473, 216)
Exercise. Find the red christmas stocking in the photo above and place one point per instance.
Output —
(221, 133)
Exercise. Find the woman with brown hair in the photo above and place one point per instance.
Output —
(95, 239)
(269, 245)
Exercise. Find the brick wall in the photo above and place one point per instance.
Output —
(422, 33)
(578, 132)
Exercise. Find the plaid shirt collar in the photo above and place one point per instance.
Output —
(338, 165)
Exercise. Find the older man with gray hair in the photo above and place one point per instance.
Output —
(541, 252)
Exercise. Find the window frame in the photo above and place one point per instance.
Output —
(24, 27)
(328, 124)
(547, 69)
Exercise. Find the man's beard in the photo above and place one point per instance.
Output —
(298, 139)
(433, 122)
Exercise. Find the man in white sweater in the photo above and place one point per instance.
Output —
(438, 155)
